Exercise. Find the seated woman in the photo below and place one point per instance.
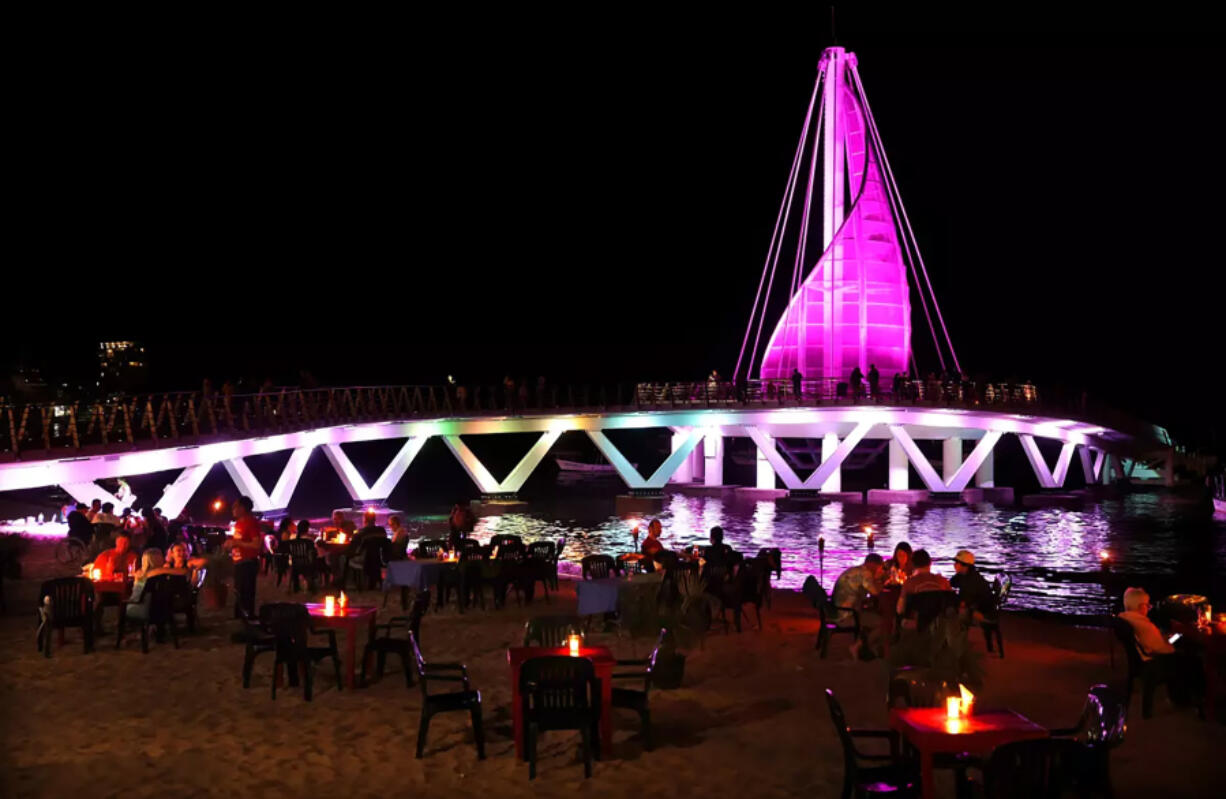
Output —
(286, 530)
(899, 567)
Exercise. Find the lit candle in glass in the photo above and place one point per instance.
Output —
(96, 574)
(966, 699)
(343, 602)
(953, 707)
(329, 604)
(572, 641)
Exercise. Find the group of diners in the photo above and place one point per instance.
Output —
(897, 581)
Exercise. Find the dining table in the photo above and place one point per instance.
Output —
(110, 592)
(932, 733)
(348, 619)
(1209, 643)
(603, 662)
(614, 594)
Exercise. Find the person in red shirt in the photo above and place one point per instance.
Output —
(116, 561)
(652, 544)
(244, 548)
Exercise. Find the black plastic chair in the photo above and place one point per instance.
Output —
(188, 602)
(154, 608)
(368, 561)
(381, 647)
(1147, 671)
(284, 628)
(546, 551)
(598, 567)
(303, 563)
(889, 775)
(559, 693)
(630, 563)
(632, 699)
(991, 625)
(828, 614)
(1100, 729)
(428, 548)
(924, 607)
(432, 704)
(551, 630)
(504, 540)
(63, 603)
(1032, 769)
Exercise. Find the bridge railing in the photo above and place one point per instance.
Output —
(167, 419)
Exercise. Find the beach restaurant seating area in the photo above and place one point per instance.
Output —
(485, 663)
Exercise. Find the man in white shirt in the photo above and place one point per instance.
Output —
(107, 515)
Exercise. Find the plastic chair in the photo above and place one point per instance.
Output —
(284, 629)
(155, 607)
(551, 630)
(65, 602)
(1100, 729)
(635, 700)
(1038, 768)
(924, 607)
(991, 626)
(428, 548)
(887, 776)
(432, 704)
(828, 614)
(1147, 671)
(598, 567)
(382, 647)
(303, 563)
(559, 693)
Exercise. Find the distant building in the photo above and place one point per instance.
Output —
(122, 367)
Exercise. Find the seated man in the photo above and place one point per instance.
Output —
(652, 544)
(922, 580)
(717, 553)
(79, 526)
(107, 515)
(116, 562)
(1179, 669)
(974, 593)
(850, 590)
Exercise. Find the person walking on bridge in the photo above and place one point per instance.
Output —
(874, 380)
(797, 383)
(857, 384)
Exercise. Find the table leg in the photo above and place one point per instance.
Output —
(351, 646)
(517, 715)
(929, 790)
(367, 652)
(606, 715)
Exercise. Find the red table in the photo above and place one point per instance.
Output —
(120, 589)
(927, 729)
(601, 658)
(347, 620)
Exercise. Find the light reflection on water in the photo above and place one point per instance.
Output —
(1052, 553)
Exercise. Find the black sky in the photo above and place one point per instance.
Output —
(398, 200)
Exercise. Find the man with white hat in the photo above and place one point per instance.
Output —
(973, 591)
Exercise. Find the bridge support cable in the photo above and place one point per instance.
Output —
(776, 243)
(893, 189)
(391, 476)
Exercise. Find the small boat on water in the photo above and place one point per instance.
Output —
(587, 468)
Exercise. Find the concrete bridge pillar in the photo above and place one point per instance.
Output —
(766, 472)
(834, 483)
(985, 475)
(685, 472)
(900, 476)
(951, 459)
(713, 450)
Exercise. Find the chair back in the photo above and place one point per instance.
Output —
(774, 556)
(557, 552)
(511, 548)
(598, 567)
(421, 603)
(840, 726)
(670, 560)
(503, 540)
(376, 552)
(550, 631)
(301, 552)
(469, 545)
(160, 594)
(915, 687)
(541, 549)
(428, 548)
(72, 600)
(629, 563)
(1000, 589)
(557, 689)
(1038, 768)
(814, 592)
(1128, 640)
(288, 622)
(926, 606)
(1103, 719)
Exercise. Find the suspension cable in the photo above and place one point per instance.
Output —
(776, 239)
(919, 257)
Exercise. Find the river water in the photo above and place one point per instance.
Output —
(1164, 542)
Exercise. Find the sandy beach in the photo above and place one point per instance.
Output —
(750, 719)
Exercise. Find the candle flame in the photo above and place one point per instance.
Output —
(343, 601)
(96, 574)
(1104, 555)
(340, 538)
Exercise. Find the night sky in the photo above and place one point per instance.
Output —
(593, 199)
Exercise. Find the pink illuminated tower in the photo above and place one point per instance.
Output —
(849, 303)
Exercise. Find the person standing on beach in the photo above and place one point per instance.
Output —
(244, 550)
